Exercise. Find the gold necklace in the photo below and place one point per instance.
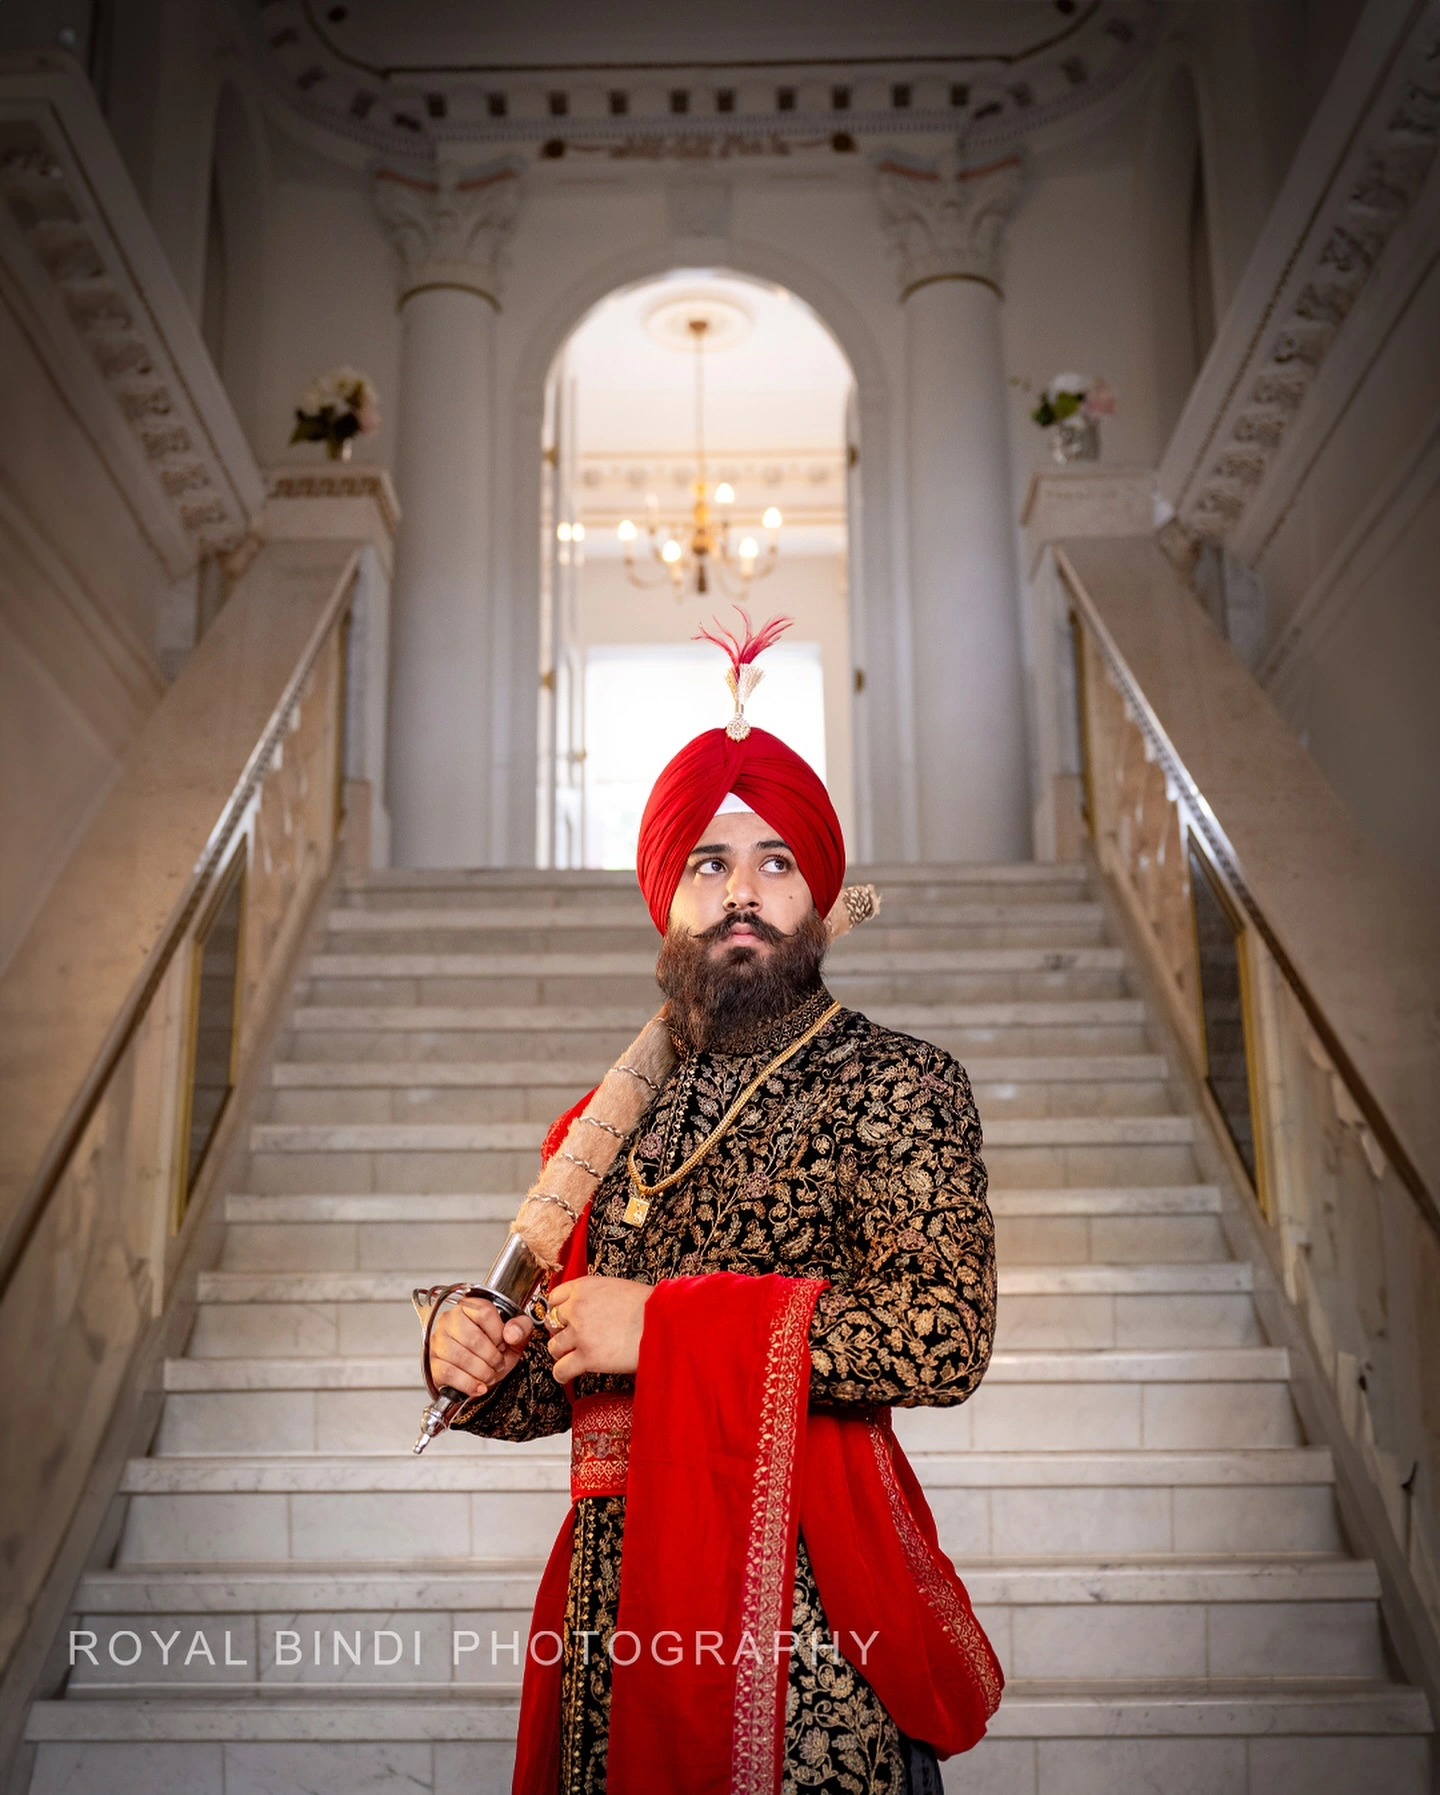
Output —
(641, 1193)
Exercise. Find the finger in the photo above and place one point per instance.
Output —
(481, 1361)
(484, 1315)
(456, 1377)
(470, 1333)
(518, 1332)
(569, 1365)
(559, 1344)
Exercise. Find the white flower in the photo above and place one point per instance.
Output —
(344, 392)
(1079, 384)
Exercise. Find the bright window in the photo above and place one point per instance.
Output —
(643, 703)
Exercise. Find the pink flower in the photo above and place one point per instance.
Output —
(1099, 401)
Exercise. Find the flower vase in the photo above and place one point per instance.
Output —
(338, 448)
(1076, 438)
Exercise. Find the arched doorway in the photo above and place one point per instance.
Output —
(623, 684)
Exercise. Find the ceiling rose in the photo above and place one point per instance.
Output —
(726, 321)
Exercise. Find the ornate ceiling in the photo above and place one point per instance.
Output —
(563, 79)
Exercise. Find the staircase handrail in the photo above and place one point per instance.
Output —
(208, 861)
(1129, 596)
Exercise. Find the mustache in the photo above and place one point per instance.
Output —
(740, 919)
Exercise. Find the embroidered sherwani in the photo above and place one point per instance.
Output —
(858, 1161)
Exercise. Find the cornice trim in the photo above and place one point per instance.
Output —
(1375, 162)
(930, 280)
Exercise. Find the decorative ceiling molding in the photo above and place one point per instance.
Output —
(702, 110)
(949, 221)
(614, 484)
(451, 231)
(110, 322)
(1281, 339)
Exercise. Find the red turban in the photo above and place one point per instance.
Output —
(776, 784)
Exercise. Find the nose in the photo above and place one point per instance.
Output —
(741, 892)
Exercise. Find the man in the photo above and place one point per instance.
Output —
(753, 1408)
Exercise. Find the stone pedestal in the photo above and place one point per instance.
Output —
(948, 227)
(352, 504)
(1063, 504)
(449, 235)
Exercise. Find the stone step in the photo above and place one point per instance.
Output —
(598, 929)
(511, 1500)
(1097, 1070)
(1022, 882)
(1327, 1737)
(1059, 1165)
(476, 1137)
(343, 1588)
(500, 984)
(319, 1233)
(1228, 1365)
(411, 1094)
(302, 1323)
(1262, 1618)
(324, 1244)
(544, 1466)
(580, 1019)
(1228, 1276)
(522, 918)
(923, 931)
(859, 961)
(530, 1034)
(1109, 1414)
(1331, 1738)
(1103, 1201)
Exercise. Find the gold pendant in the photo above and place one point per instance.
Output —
(636, 1210)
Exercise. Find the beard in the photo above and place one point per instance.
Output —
(718, 997)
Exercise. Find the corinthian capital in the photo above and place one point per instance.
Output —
(452, 229)
(949, 221)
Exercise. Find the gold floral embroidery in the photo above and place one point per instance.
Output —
(950, 1611)
(865, 1156)
(599, 1446)
(768, 1593)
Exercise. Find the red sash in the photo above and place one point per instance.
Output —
(724, 1465)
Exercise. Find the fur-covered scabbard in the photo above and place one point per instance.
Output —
(555, 1202)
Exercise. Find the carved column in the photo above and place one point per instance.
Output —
(948, 227)
(449, 234)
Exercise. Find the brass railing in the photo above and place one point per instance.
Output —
(94, 1249)
(1354, 1227)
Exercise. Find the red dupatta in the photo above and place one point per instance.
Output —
(726, 1463)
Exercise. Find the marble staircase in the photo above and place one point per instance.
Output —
(1150, 1540)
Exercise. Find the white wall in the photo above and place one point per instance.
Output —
(1372, 720)
(329, 299)
(1352, 596)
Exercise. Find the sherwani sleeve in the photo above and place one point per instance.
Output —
(528, 1404)
(913, 1321)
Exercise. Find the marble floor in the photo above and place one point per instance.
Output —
(296, 1603)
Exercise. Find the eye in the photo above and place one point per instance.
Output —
(775, 863)
(712, 865)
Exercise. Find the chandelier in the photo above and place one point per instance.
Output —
(699, 549)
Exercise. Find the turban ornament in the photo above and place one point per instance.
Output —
(768, 776)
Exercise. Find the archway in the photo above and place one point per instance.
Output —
(882, 714)
(620, 452)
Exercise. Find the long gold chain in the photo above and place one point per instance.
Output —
(646, 1191)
